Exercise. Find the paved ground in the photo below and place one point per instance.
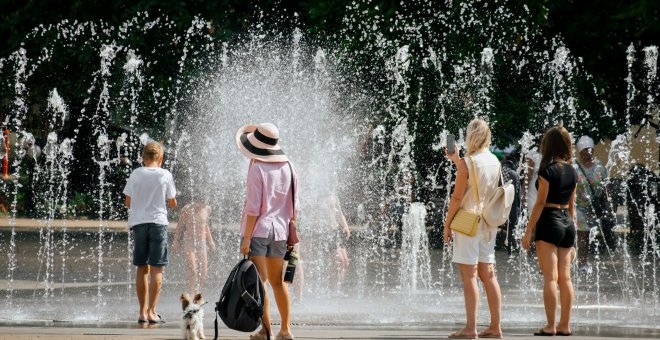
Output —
(132, 331)
(524, 305)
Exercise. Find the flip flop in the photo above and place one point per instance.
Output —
(490, 335)
(541, 332)
(160, 320)
(284, 337)
(143, 320)
(564, 334)
(259, 336)
(459, 335)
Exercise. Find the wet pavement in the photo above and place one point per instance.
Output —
(82, 295)
(70, 331)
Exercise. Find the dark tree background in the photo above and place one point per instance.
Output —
(598, 32)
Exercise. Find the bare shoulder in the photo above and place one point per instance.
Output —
(461, 165)
(462, 162)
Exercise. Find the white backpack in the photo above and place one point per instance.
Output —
(498, 206)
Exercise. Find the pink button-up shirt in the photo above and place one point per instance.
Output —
(270, 198)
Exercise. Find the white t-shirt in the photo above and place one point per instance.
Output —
(149, 188)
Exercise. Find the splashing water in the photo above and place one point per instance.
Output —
(345, 139)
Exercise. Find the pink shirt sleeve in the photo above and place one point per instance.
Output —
(254, 192)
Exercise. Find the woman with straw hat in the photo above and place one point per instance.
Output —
(269, 208)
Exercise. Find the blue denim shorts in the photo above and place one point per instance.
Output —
(150, 246)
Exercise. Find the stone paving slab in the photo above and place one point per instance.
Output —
(320, 332)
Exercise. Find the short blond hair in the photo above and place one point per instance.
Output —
(152, 151)
(477, 136)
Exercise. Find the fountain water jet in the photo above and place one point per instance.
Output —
(366, 140)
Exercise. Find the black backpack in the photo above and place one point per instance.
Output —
(241, 304)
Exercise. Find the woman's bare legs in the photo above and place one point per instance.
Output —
(271, 270)
(564, 257)
(471, 295)
(494, 295)
(547, 254)
(262, 268)
(281, 292)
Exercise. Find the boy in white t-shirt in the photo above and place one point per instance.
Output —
(149, 192)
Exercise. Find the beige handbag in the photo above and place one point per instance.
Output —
(466, 221)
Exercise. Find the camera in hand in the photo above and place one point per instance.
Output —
(292, 257)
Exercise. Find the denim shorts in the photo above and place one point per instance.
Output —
(267, 246)
(555, 226)
(150, 246)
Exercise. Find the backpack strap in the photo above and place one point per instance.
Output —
(233, 273)
(267, 329)
(249, 300)
(252, 301)
(225, 290)
(502, 176)
(215, 337)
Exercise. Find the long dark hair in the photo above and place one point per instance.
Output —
(556, 144)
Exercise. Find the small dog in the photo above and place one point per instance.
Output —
(193, 317)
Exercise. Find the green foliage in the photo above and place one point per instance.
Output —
(600, 32)
(366, 34)
(79, 204)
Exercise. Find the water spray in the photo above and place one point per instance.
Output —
(5, 159)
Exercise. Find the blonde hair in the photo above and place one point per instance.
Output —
(152, 151)
(477, 136)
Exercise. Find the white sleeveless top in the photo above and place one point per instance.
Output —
(488, 176)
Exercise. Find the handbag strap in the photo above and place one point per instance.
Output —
(593, 197)
(593, 203)
(476, 183)
(591, 187)
(293, 190)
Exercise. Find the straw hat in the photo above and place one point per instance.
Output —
(260, 142)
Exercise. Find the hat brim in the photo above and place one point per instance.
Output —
(249, 150)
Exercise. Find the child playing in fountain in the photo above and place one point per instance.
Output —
(149, 192)
(191, 237)
(338, 228)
